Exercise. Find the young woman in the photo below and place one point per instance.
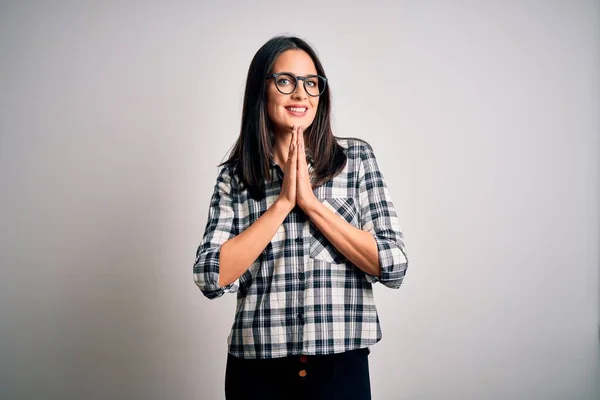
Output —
(300, 226)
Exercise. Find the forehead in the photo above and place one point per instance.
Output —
(297, 62)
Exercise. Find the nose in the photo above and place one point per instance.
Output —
(299, 92)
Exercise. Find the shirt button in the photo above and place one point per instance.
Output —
(302, 373)
(298, 239)
(303, 358)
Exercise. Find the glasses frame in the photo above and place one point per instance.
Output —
(298, 78)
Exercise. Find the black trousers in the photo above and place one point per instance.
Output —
(343, 376)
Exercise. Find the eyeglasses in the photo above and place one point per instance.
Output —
(286, 83)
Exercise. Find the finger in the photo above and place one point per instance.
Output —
(294, 143)
(292, 147)
(301, 148)
(294, 155)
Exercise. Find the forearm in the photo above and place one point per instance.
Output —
(358, 246)
(239, 252)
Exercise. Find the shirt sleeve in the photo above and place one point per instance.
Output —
(379, 217)
(219, 228)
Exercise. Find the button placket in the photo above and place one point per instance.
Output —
(299, 240)
(303, 256)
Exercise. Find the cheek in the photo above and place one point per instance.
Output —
(274, 106)
(271, 108)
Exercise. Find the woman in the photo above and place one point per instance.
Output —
(300, 226)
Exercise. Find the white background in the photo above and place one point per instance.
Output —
(484, 116)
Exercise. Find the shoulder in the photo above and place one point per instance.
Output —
(227, 176)
(355, 147)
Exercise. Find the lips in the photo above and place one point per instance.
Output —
(297, 110)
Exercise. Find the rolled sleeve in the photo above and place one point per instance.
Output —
(378, 216)
(220, 227)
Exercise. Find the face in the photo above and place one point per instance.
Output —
(298, 108)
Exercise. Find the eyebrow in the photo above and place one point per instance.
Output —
(291, 73)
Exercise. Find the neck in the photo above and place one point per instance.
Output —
(281, 147)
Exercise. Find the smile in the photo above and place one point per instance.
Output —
(296, 110)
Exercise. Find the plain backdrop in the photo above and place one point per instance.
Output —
(484, 116)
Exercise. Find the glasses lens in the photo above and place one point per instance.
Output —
(314, 85)
(285, 83)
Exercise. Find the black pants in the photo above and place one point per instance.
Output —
(343, 376)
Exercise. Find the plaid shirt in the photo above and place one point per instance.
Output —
(302, 296)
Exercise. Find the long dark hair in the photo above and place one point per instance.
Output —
(251, 153)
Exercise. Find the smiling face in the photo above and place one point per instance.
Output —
(298, 108)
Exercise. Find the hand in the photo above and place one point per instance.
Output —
(305, 197)
(287, 195)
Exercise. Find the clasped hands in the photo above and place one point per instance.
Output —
(296, 188)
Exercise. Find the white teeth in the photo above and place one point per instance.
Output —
(294, 109)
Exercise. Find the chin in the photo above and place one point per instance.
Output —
(289, 124)
(305, 122)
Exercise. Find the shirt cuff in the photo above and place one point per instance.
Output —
(393, 264)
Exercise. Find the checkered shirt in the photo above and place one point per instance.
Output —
(302, 296)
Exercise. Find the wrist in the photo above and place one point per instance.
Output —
(282, 206)
(311, 206)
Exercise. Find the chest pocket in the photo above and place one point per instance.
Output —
(320, 248)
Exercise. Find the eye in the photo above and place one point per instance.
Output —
(283, 82)
(312, 82)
